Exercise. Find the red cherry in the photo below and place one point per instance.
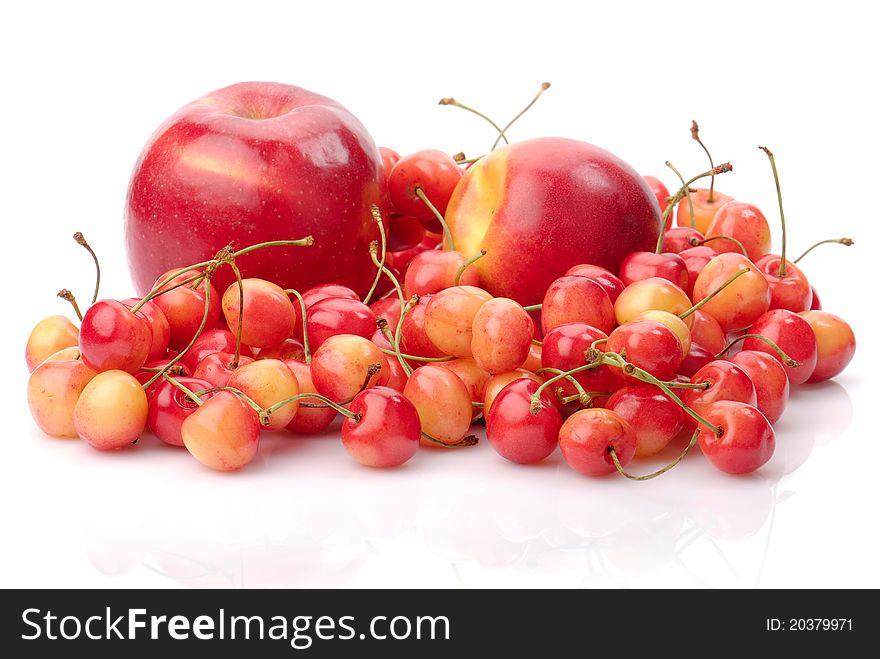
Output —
(648, 345)
(288, 349)
(605, 278)
(404, 233)
(385, 430)
(655, 418)
(431, 171)
(211, 341)
(743, 222)
(222, 434)
(402, 260)
(678, 239)
(144, 376)
(413, 337)
(184, 306)
(816, 304)
(790, 291)
(588, 436)
(215, 368)
(308, 420)
(575, 299)
(433, 271)
(389, 309)
(706, 331)
(338, 315)
(793, 335)
(641, 265)
(517, 434)
(159, 327)
(313, 296)
(564, 347)
(697, 358)
(169, 408)
(695, 259)
(770, 380)
(390, 157)
(269, 316)
(746, 442)
(661, 193)
(113, 338)
(726, 381)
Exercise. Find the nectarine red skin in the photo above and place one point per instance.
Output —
(541, 206)
(255, 162)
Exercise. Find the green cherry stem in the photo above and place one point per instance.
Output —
(470, 440)
(781, 272)
(81, 240)
(562, 375)
(533, 307)
(159, 289)
(696, 243)
(238, 392)
(308, 241)
(65, 294)
(847, 242)
(695, 134)
(414, 300)
(451, 101)
(234, 363)
(194, 397)
(265, 414)
(446, 233)
(374, 249)
(582, 394)
(383, 243)
(659, 472)
(687, 385)
(302, 306)
(779, 351)
(382, 324)
(672, 201)
(503, 133)
(739, 273)
(464, 266)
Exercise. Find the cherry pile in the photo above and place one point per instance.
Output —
(702, 338)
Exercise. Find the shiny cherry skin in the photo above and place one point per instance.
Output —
(48, 337)
(648, 345)
(340, 366)
(771, 383)
(661, 193)
(564, 347)
(290, 348)
(413, 335)
(641, 265)
(216, 367)
(159, 328)
(449, 318)
(113, 338)
(386, 431)
(313, 296)
(792, 291)
(308, 420)
(404, 233)
(747, 440)
(338, 315)
(678, 239)
(474, 378)
(169, 407)
(53, 389)
(706, 331)
(678, 326)
(697, 358)
(502, 335)
(835, 342)
(652, 293)
(514, 432)
(742, 302)
(654, 417)
(587, 437)
(111, 412)
(605, 278)
(435, 173)
(267, 382)
(726, 381)
(794, 335)
(695, 259)
(497, 382)
(184, 307)
(816, 304)
(744, 222)
(211, 341)
(388, 308)
(402, 260)
(704, 209)
(144, 376)
(576, 299)
(390, 157)
(443, 403)
(222, 434)
(434, 270)
(269, 315)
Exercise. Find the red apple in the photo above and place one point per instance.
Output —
(541, 206)
(254, 162)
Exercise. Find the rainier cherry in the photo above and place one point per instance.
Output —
(159, 328)
(648, 345)
(587, 438)
(706, 202)
(184, 306)
(222, 434)
(517, 430)
(344, 363)
(53, 389)
(502, 334)
(706, 331)
(449, 318)
(413, 336)
(637, 266)
(739, 304)
(266, 382)
(497, 382)
(577, 299)
(651, 293)
(443, 403)
(743, 222)
(695, 259)
(268, 316)
(655, 418)
(605, 278)
(835, 341)
(793, 335)
(745, 439)
(209, 342)
(111, 412)
(384, 429)
(114, 338)
(48, 337)
(474, 378)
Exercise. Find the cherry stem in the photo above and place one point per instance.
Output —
(781, 271)
(699, 386)
(792, 363)
(389, 335)
(159, 289)
(582, 394)
(469, 262)
(238, 392)
(81, 240)
(533, 307)
(234, 363)
(695, 134)
(374, 248)
(462, 106)
(307, 352)
(470, 440)
(659, 472)
(308, 241)
(696, 243)
(687, 192)
(503, 133)
(739, 273)
(848, 242)
(396, 343)
(65, 294)
(562, 375)
(383, 241)
(446, 233)
(194, 397)
(265, 414)
(468, 161)
(183, 352)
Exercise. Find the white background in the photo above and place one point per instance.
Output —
(84, 85)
